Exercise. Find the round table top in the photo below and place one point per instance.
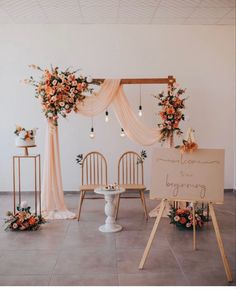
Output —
(103, 191)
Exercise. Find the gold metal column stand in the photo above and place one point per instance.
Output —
(37, 181)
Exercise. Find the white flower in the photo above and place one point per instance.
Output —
(188, 225)
(14, 226)
(176, 218)
(22, 134)
(67, 106)
(62, 103)
(89, 79)
(24, 205)
(54, 82)
(50, 114)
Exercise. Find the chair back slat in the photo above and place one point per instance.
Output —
(94, 169)
(129, 170)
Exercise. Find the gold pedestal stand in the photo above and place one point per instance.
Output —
(26, 149)
(37, 179)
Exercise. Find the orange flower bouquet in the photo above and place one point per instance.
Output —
(60, 91)
(183, 218)
(172, 105)
(23, 220)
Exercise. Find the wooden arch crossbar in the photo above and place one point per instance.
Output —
(170, 80)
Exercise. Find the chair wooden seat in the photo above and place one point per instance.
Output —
(94, 174)
(130, 177)
(133, 187)
(89, 188)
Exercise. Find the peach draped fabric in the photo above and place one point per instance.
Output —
(110, 93)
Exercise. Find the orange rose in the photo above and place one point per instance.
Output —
(180, 211)
(170, 110)
(79, 86)
(32, 221)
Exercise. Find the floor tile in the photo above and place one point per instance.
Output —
(153, 279)
(19, 262)
(25, 280)
(85, 280)
(159, 260)
(83, 260)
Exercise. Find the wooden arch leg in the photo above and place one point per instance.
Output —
(220, 243)
(152, 235)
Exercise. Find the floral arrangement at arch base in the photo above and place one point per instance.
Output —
(59, 91)
(183, 218)
(172, 105)
(23, 219)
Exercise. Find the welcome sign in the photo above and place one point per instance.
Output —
(197, 176)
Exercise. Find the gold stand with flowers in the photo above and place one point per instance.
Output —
(37, 180)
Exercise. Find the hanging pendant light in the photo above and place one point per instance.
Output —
(106, 116)
(122, 133)
(92, 133)
(140, 112)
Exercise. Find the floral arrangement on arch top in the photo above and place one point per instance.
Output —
(171, 113)
(60, 91)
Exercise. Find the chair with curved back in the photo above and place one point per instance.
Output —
(130, 177)
(94, 174)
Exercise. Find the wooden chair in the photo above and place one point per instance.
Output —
(130, 176)
(94, 174)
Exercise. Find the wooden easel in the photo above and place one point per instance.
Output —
(217, 232)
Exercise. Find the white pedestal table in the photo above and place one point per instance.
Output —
(110, 225)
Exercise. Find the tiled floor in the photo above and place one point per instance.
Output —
(76, 253)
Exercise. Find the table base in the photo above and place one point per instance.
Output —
(110, 228)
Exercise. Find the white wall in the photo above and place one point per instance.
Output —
(200, 57)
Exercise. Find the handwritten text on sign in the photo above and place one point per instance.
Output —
(197, 176)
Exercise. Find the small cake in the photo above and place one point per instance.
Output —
(24, 138)
(111, 187)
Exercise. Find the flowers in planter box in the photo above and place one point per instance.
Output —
(60, 91)
(183, 218)
(23, 220)
(172, 105)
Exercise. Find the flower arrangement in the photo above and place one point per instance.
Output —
(23, 220)
(189, 145)
(25, 134)
(143, 156)
(171, 112)
(79, 159)
(183, 218)
(60, 91)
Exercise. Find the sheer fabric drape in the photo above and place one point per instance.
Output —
(110, 93)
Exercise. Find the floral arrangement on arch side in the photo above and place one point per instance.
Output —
(183, 218)
(172, 105)
(23, 220)
(60, 91)
(24, 133)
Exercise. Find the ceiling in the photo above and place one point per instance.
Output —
(153, 12)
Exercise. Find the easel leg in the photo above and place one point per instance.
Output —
(220, 243)
(194, 228)
(152, 235)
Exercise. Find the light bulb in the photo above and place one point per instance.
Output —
(140, 113)
(92, 133)
(106, 117)
(122, 133)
